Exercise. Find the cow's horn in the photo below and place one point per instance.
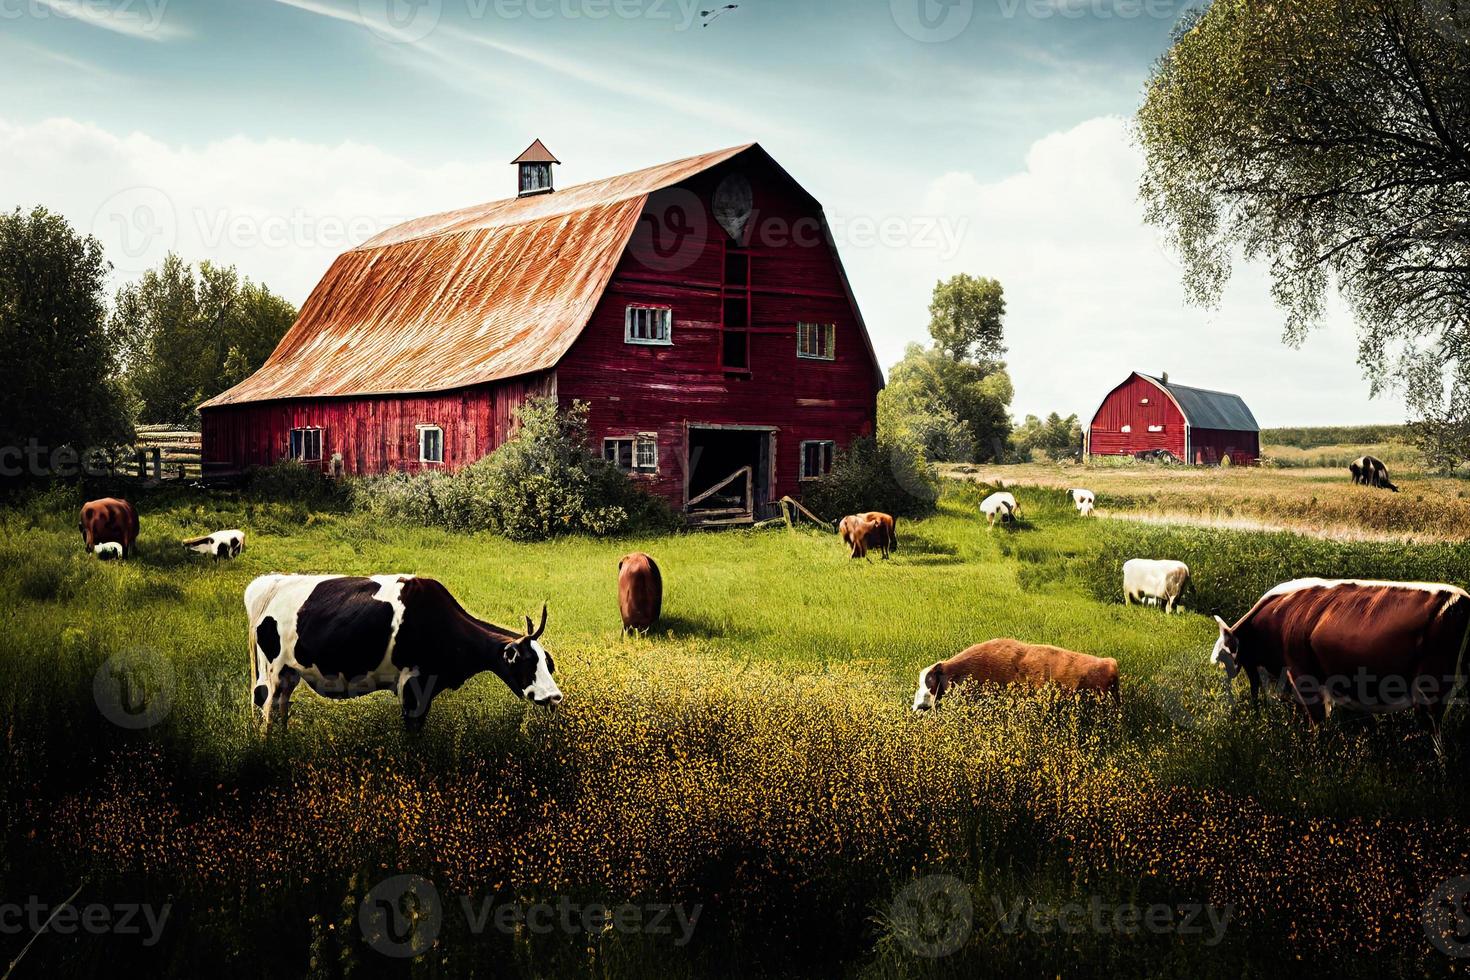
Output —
(536, 633)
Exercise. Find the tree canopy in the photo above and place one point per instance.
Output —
(1330, 139)
(188, 336)
(58, 363)
(952, 401)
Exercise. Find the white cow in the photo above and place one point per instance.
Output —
(220, 544)
(1000, 506)
(1162, 580)
(1084, 501)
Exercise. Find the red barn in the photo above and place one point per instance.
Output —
(1145, 414)
(700, 307)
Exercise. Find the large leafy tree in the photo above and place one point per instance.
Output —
(58, 364)
(952, 400)
(189, 335)
(1331, 139)
(1053, 437)
(965, 318)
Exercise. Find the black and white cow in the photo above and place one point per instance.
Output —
(1370, 471)
(347, 636)
(220, 544)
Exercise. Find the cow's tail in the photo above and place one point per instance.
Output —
(193, 542)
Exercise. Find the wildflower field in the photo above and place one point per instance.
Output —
(751, 768)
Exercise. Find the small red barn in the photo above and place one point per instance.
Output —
(1145, 414)
(700, 307)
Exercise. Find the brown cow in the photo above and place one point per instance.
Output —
(109, 521)
(1007, 661)
(640, 591)
(872, 529)
(1375, 646)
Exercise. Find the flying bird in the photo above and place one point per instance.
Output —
(710, 16)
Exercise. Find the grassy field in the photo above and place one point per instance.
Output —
(1316, 501)
(753, 762)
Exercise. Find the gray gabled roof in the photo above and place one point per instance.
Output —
(1206, 409)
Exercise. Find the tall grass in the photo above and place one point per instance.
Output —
(755, 755)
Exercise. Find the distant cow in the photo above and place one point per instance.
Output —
(1083, 500)
(109, 521)
(347, 636)
(871, 530)
(640, 591)
(220, 544)
(1008, 661)
(1000, 506)
(1375, 646)
(1162, 580)
(1369, 471)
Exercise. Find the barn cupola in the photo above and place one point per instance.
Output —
(534, 167)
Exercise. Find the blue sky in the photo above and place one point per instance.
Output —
(986, 136)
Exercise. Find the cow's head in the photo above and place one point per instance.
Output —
(1227, 650)
(933, 682)
(529, 667)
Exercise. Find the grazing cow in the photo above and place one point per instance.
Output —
(640, 591)
(347, 636)
(108, 552)
(220, 544)
(1375, 646)
(870, 530)
(1013, 662)
(109, 521)
(1000, 506)
(1369, 471)
(1162, 580)
(1083, 500)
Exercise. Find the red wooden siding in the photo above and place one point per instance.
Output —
(794, 277)
(1124, 406)
(374, 434)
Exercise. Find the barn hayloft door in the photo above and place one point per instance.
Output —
(728, 472)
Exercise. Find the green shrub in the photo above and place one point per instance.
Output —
(869, 475)
(542, 483)
(291, 482)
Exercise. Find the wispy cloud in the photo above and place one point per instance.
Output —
(144, 20)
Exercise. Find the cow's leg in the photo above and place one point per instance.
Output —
(279, 706)
(415, 693)
(1424, 713)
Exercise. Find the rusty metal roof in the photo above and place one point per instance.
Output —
(536, 153)
(463, 298)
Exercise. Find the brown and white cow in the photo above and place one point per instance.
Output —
(872, 530)
(1007, 661)
(640, 591)
(1374, 646)
(109, 521)
(347, 636)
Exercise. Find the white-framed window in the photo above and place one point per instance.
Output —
(431, 444)
(1156, 428)
(632, 454)
(648, 325)
(1126, 428)
(817, 341)
(816, 458)
(306, 445)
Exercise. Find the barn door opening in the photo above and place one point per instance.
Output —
(729, 474)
